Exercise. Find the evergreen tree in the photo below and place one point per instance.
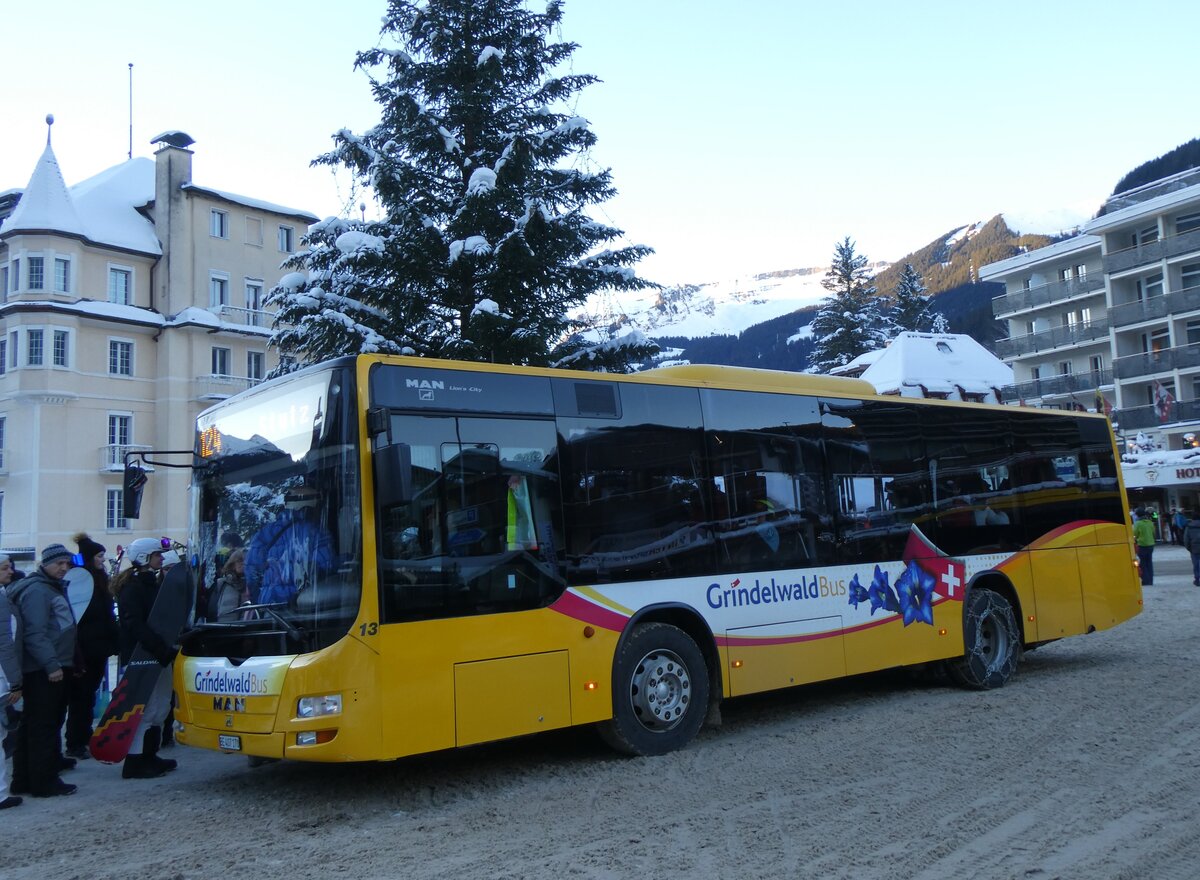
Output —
(851, 320)
(483, 246)
(913, 309)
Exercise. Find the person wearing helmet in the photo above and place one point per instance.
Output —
(135, 589)
(287, 555)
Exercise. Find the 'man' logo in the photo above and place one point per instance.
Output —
(426, 384)
(229, 704)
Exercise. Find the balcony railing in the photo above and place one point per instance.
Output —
(1137, 417)
(1070, 383)
(1152, 252)
(1186, 300)
(1055, 337)
(1044, 295)
(249, 317)
(1149, 363)
(112, 456)
(218, 387)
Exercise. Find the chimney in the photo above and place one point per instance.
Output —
(172, 170)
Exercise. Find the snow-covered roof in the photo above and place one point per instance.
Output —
(1150, 207)
(45, 203)
(938, 362)
(860, 363)
(252, 203)
(1058, 250)
(102, 209)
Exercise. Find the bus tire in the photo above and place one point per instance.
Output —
(992, 642)
(660, 691)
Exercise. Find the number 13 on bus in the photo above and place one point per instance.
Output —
(396, 556)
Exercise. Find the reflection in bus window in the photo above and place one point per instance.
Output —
(478, 534)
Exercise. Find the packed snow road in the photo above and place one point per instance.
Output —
(1086, 766)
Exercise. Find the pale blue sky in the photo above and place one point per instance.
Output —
(743, 137)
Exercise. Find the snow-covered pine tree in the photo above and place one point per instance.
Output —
(912, 308)
(483, 246)
(851, 320)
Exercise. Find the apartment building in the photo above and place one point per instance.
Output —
(130, 302)
(1111, 317)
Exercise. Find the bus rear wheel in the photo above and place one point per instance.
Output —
(660, 691)
(992, 642)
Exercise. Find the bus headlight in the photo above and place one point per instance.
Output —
(315, 707)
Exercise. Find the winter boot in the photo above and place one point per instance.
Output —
(140, 767)
(150, 745)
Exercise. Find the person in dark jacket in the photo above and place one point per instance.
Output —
(98, 639)
(47, 634)
(136, 588)
(1191, 540)
(9, 716)
(10, 673)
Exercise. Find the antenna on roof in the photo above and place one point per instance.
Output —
(49, 122)
(130, 109)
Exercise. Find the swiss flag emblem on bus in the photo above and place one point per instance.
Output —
(949, 575)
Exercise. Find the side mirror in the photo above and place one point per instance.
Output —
(393, 475)
(132, 486)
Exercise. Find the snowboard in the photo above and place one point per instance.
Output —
(80, 587)
(114, 734)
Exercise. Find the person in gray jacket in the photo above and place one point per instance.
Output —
(10, 677)
(1191, 540)
(47, 633)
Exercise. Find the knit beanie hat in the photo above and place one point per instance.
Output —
(88, 548)
(54, 553)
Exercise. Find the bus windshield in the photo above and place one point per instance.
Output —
(278, 518)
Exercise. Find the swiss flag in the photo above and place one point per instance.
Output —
(949, 575)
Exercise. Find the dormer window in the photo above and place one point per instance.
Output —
(944, 348)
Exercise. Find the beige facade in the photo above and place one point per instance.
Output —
(132, 301)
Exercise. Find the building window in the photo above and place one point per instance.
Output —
(1064, 368)
(1193, 332)
(1189, 276)
(12, 349)
(114, 518)
(1096, 363)
(1065, 274)
(61, 343)
(37, 273)
(120, 358)
(254, 302)
(254, 365)
(1026, 283)
(1151, 285)
(1145, 236)
(3, 428)
(3, 356)
(3, 283)
(287, 242)
(1160, 340)
(220, 361)
(218, 224)
(1186, 223)
(254, 231)
(1081, 272)
(34, 348)
(120, 282)
(120, 435)
(218, 291)
(16, 275)
(62, 274)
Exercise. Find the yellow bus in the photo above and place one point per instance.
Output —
(439, 554)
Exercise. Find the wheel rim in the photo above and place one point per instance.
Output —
(660, 690)
(992, 644)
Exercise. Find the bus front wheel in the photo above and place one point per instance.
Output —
(992, 642)
(660, 691)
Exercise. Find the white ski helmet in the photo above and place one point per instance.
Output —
(142, 549)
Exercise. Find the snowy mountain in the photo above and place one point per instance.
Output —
(712, 309)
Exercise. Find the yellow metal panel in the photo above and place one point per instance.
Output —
(783, 654)
(1111, 590)
(1019, 570)
(511, 696)
(1059, 596)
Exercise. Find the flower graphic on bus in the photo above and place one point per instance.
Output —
(858, 593)
(881, 593)
(915, 589)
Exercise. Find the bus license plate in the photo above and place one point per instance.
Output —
(230, 743)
